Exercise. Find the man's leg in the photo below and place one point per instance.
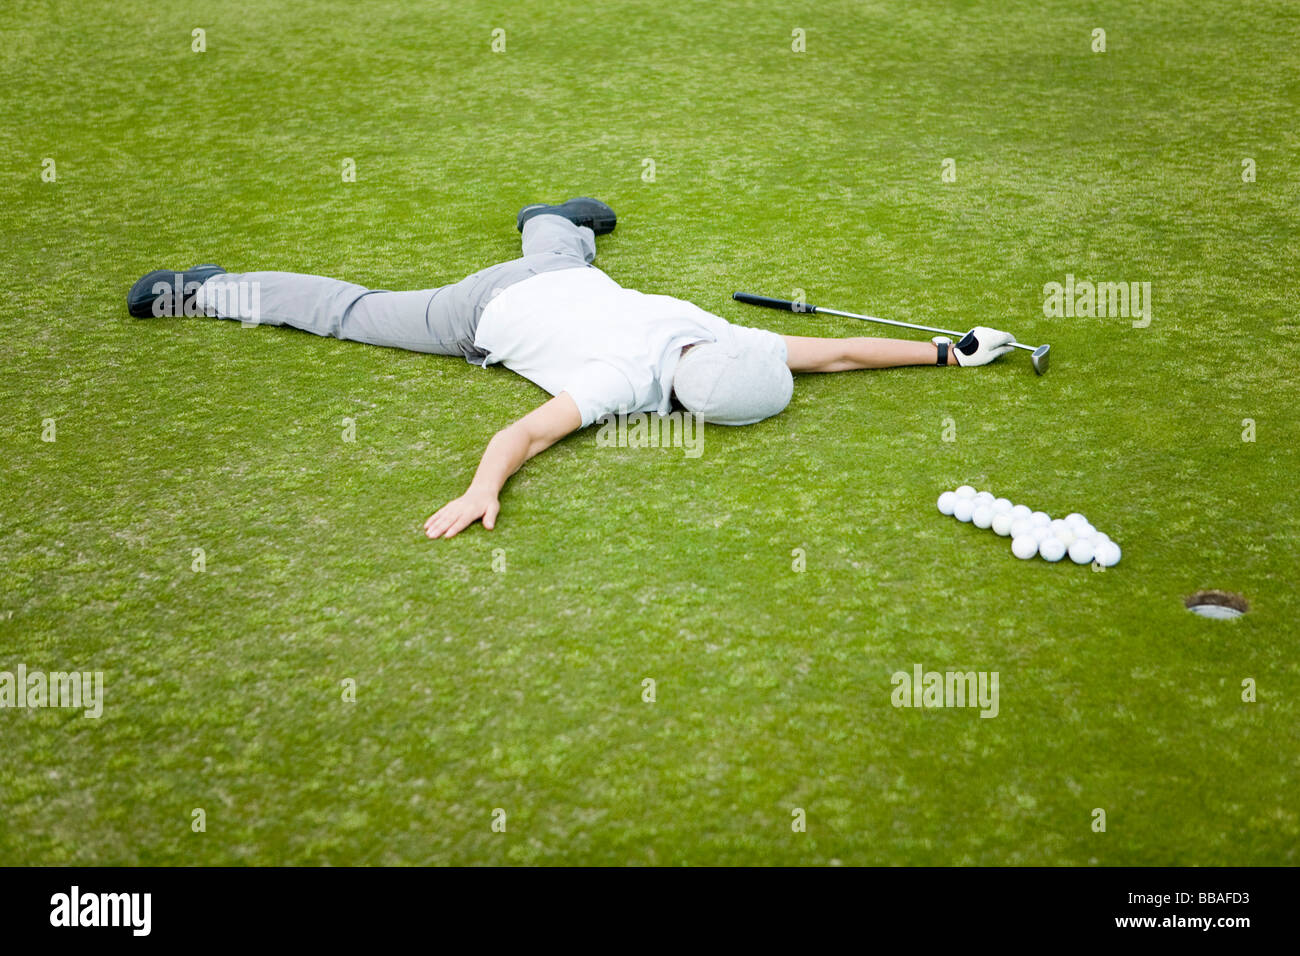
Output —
(441, 321)
(555, 234)
(332, 307)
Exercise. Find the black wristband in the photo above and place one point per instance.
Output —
(943, 353)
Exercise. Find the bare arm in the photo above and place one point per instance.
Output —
(807, 354)
(505, 453)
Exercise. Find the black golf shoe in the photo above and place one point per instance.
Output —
(178, 296)
(581, 211)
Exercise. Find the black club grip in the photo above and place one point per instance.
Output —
(767, 302)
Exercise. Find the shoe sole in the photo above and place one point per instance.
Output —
(600, 220)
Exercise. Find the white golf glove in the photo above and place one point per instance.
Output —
(982, 345)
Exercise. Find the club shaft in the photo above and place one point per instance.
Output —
(903, 325)
(870, 318)
(787, 305)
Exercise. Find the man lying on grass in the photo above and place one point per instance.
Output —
(560, 322)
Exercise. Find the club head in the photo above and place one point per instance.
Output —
(1039, 359)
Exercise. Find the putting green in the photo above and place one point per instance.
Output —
(226, 524)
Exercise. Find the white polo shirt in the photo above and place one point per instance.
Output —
(612, 349)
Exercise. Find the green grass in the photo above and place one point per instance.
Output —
(522, 689)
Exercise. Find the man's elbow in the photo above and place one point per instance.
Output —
(842, 360)
(522, 441)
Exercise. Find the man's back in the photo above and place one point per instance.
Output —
(612, 349)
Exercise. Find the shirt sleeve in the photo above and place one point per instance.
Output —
(761, 339)
(600, 389)
(744, 335)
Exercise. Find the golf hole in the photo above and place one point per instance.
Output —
(1223, 605)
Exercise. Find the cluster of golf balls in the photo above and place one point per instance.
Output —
(1031, 532)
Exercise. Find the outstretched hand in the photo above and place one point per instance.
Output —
(982, 345)
(509, 448)
(457, 515)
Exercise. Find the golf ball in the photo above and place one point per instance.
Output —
(1020, 511)
(962, 509)
(1024, 547)
(1041, 532)
(1002, 524)
(983, 498)
(1021, 527)
(1001, 505)
(965, 491)
(1108, 554)
(1081, 551)
(981, 516)
(1040, 517)
(1074, 516)
(946, 501)
(1052, 549)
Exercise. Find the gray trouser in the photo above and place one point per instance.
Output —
(441, 320)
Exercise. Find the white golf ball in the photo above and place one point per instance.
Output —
(981, 516)
(1002, 524)
(1041, 532)
(1052, 549)
(1024, 547)
(1107, 554)
(1098, 538)
(1001, 505)
(1074, 516)
(1040, 517)
(1020, 511)
(965, 491)
(962, 509)
(1021, 527)
(1081, 551)
(946, 501)
(983, 498)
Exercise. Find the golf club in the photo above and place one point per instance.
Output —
(1038, 357)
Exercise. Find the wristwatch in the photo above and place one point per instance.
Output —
(943, 342)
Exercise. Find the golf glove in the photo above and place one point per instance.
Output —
(981, 345)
